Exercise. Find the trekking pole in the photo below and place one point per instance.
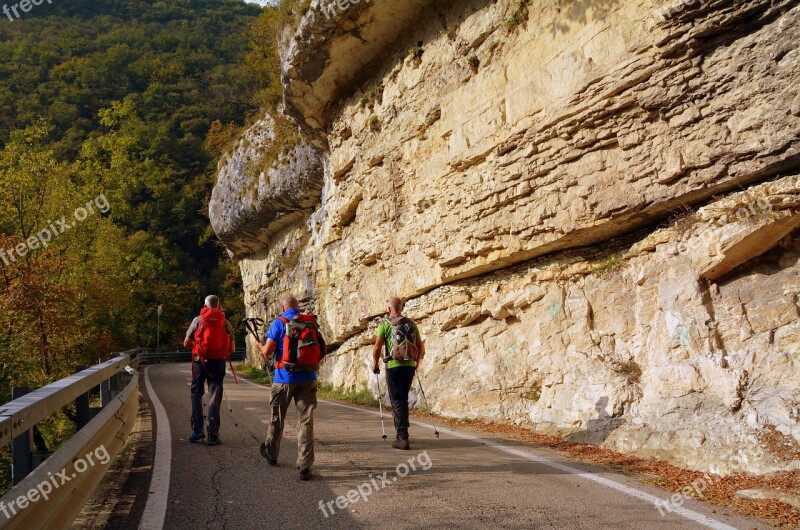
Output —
(252, 325)
(380, 404)
(235, 380)
(230, 409)
(419, 381)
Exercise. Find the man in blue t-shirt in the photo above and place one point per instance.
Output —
(286, 385)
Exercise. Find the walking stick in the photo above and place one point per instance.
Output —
(419, 381)
(380, 404)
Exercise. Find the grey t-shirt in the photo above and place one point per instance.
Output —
(196, 322)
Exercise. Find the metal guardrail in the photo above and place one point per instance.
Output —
(17, 420)
(20, 415)
(177, 356)
(108, 429)
(55, 492)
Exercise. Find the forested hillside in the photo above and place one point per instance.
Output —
(112, 116)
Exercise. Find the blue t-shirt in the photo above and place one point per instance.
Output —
(276, 332)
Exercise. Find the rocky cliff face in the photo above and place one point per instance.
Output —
(591, 206)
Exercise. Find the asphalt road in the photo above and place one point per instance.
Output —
(464, 479)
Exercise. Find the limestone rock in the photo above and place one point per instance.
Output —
(592, 212)
(251, 201)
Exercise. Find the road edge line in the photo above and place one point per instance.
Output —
(628, 490)
(155, 510)
(686, 513)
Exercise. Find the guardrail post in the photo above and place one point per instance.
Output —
(84, 415)
(105, 390)
(21, 447)
(114, 381)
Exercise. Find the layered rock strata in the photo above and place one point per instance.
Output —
(592, 208)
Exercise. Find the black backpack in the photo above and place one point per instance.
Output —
(404, 340)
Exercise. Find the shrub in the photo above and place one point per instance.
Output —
(374, 123)
(518, 16)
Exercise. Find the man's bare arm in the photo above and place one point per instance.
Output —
(376, 354)
(268, 348)
(188, 342)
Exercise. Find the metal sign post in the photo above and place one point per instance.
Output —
(158, 327)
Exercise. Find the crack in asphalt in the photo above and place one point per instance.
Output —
(219, 503)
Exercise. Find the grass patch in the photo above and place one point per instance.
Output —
(416, 53)
(358, 397)
(256, 375)
(683, 219)
(373, 96)
(286, 139)
(630, 370)
(607, 265)
(518, 16)
(374, 123)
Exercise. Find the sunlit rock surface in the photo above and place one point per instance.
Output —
(593, 213)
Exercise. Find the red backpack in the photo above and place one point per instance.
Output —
(303, 346)
(211, 340)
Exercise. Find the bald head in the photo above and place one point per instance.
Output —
(212, 301)
(289, 302)
(395, 305)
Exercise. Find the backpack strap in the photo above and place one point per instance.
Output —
(198, 333)
(388, 355)
(284, 350)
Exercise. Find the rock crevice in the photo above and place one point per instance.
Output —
(591, 208)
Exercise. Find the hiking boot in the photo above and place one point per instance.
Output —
(305, 474)
(196, 437)
(214, 440)
(403, 445)
(265, 453)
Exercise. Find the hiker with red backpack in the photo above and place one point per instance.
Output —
(211, 339)
(398, 338)
(295, 344)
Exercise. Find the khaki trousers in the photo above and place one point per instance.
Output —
(305, 399)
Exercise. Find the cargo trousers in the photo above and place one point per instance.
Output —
(304, 395)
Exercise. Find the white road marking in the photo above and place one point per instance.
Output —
(633, 492)
(156, 508)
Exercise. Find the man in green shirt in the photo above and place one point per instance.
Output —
(399, 338)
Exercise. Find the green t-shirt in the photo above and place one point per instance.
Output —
(385, 332)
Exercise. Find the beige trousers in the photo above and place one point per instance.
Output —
(305, 399)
